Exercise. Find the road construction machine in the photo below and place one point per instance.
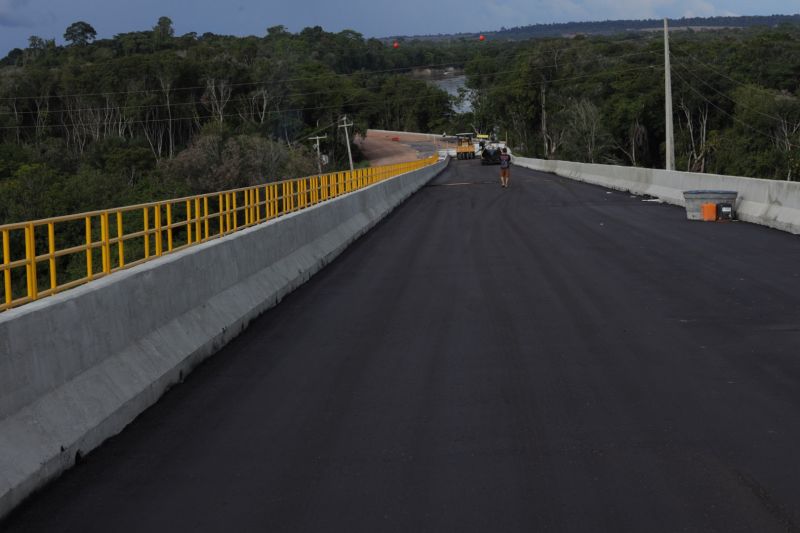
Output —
(465, 149)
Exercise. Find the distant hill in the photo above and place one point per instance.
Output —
(611, 27)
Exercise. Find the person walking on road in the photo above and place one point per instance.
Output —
(505, 167)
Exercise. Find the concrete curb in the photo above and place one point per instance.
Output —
(771, 203)
(78, 367)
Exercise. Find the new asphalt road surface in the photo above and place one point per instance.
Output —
(549, 357)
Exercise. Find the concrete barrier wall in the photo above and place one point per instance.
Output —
(767, 202)
(76, 368)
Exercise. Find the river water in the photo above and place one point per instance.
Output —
(450, 80)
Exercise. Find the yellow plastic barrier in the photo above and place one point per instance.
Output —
(118, 238)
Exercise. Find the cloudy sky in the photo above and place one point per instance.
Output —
(20, 19)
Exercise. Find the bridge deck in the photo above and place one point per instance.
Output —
(549, 357)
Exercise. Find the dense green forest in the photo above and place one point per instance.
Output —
(736, 99)
(148, 115)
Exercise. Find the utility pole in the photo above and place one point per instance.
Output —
(668, 103)
(316, 145)
(345, 125)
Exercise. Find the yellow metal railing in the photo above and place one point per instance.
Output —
(59, 253)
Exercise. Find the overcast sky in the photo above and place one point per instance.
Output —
(48, 19)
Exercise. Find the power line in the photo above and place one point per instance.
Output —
(734, 118)
(697, 77)
(170, 105)
(338, 106)
(321, 78)
(224, 115)
(719, 73)
(289, 95)
(315, 132)
(241, 84)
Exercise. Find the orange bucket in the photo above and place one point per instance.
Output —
(709, 212)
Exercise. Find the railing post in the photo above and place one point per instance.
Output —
(235, 213)
(7, 271)
(301, 194)
(30, 259)
(198, 234)
(51, 249)
(89, 270)
(105, 249)
(121, 241)
(221, 214)
(228, 217)
(159, 248)
(169, 226)
(205, 215)
(189, 222)
(146, 213)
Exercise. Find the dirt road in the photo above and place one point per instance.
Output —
(384, 147)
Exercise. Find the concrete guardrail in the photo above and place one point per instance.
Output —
(767, 202)
(77, 367)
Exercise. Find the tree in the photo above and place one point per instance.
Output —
(696, 133)
(80, 33)
(216, 162)
(274, 31)
(774, 117)
(164, 28)
(163, 32)
(35, 42)
(587, 134)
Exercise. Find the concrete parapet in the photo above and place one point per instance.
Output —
(77, 367)
(767, 202)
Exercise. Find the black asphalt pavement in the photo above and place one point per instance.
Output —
(550, 357)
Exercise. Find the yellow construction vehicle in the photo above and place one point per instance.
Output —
(466, 146)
